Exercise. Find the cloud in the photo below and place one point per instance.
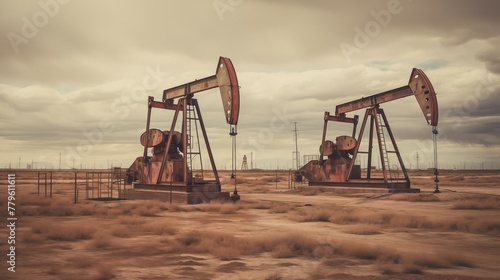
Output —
(490, 55)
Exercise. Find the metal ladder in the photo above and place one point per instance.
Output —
(383, 147)
(191, 152)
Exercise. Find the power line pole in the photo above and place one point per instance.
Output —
(418, 167)
(296, 147)
(251, 160)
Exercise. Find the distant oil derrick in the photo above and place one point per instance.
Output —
(244, 164)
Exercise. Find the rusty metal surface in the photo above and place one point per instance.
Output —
(425, 95)
(169, 163)
(147, 170)
(327, 148)
(225, 78)
(229, 89)
(337, 163)
(341, 118)
(373, 100)
(154, 138)
(418, 85)
(345, 143)
(190, 88)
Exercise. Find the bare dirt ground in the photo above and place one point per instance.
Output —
(274, 232)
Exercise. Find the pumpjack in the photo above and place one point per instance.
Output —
(337, 164)
(170, 170)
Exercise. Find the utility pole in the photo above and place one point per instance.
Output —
(59, 160)
(296, 147)
(251, 160)
(418, 167)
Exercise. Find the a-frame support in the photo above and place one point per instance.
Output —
(182, 107)
(378, 122)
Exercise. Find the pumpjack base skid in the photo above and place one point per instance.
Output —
(372, 185)
(199, 192)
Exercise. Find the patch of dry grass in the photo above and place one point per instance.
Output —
(440, 259)
(281, 207)
(386, 269)
(364, 229)
(54, 269)
(262, 205)
(229, 208)
(159, 228)
(415, 197)
(189, 239)
(457, 259)
(427, 260)
(104, 272)
(124, 208)
(59, 207)
(56, 208)
(283, 250)
(35, 200)
(412, 269)
(458, 178)
(146, 210)
(131, 220)
(102, 240)
(227, 246)
(300, 244)
(319, 272)
(473, 224)
(59, 232)
(81, 261)
(269, 179)
(138, 208)
(313, 214)
(369, 252)
(30, 237)
(415, 263)
(91, 208)
(273, 276)
(385, 219)
(476, 202)
(221, 207)
(226, 253)
(120, 231)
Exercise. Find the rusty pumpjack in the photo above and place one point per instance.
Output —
(339, 168)
(170, 168)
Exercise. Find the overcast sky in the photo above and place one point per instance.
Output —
(75, 75)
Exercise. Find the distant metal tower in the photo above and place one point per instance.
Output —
(244, 165)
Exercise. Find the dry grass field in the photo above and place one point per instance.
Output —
(273, 233)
